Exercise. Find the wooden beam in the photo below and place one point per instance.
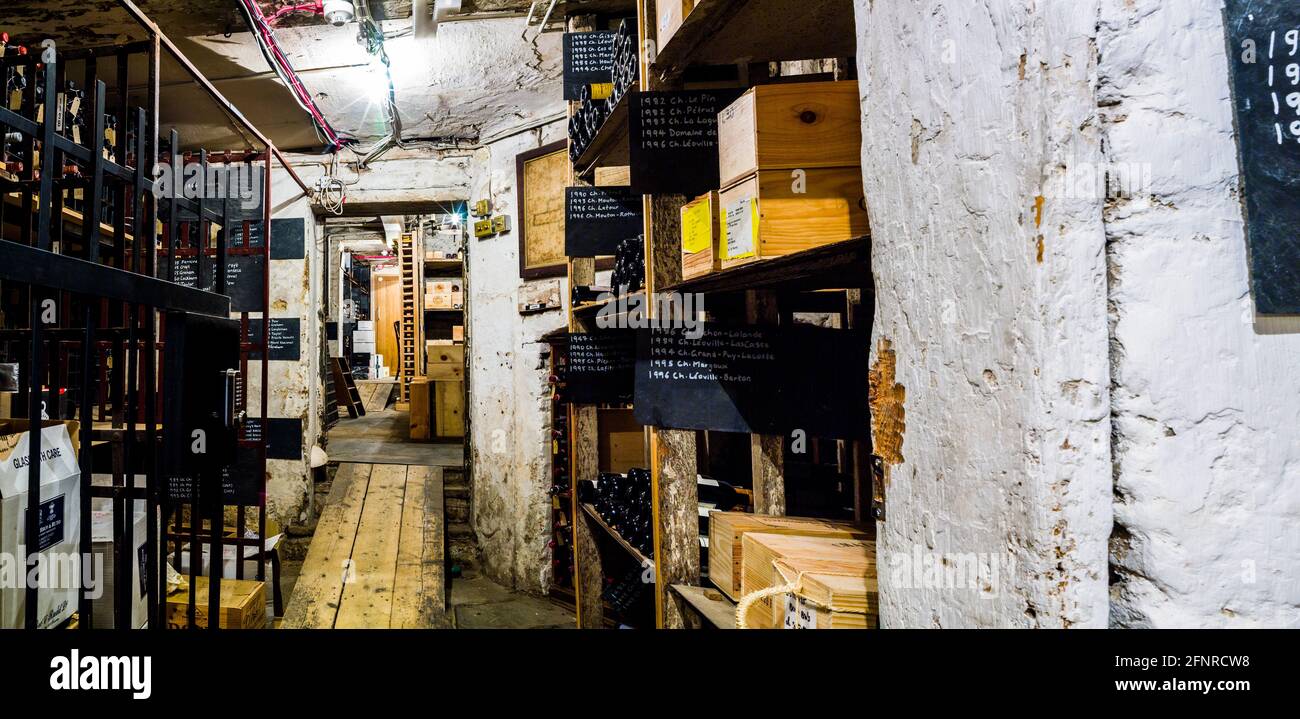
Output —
(766, 451)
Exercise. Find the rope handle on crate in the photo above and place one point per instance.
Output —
(742, 608)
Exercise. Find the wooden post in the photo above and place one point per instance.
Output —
(766, 451)
(584, 457)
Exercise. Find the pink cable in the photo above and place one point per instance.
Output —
(268, 36)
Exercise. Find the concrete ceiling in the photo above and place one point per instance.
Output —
(477, 77)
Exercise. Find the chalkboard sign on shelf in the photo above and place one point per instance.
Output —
(285, 340)
(1264, 58)
(673, 140)
(288, 238)
(764, 380)
(597, 219)
(601, 366)
(588, 60)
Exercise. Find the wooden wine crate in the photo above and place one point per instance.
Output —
(670, 14)
(620, 441)
(700, 254)
(243, 604)
(790, 126)
(837, 574)
(449, 408)
(726, 530)
(444, 361)
(779, 212)
(421, 405)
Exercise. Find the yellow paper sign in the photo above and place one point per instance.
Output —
(697, 227)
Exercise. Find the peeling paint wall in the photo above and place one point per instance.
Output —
(998, 503)
(295, 387)
(1206, 397)
(510, 401)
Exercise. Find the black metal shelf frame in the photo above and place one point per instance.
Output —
(93, 309)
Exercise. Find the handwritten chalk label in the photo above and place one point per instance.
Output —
(1264, 59)
(597, 219)
(753, 379)
(673, 140)
(588, 60)
(601, 366)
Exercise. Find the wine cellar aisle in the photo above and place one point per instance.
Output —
(648, 314)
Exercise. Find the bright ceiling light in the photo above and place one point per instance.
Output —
(339, 12)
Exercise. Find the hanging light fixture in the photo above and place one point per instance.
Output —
(339, 12)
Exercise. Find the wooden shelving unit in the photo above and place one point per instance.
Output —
(715, 33)
(636, 553)
(610, 146)
(729, 32)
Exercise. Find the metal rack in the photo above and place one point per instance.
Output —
(95, 300)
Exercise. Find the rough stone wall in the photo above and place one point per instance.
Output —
(991, 308)
(1205, 396)
(295, 389)
(509, 408)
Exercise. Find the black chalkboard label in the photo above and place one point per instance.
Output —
(283, 436)
(288, 238)
(1264, 56)
(765, 380)
(245, 278)
(588, 60)
(255, 235)
(597, 219)
(284, 339)
(601, 366)
(673, 140)
(241, 481)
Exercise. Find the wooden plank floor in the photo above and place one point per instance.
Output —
(377, 558)
(384, 437)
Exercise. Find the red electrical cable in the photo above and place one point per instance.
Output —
(267, 35)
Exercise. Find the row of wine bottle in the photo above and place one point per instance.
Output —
(591, 115)
(623, 501)
(629, 265)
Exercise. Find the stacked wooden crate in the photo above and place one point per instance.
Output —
(445, 368)
(832, 581)
(726, 530)
(789, 161)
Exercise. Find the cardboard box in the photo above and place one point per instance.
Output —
(366, 325)
(101, 537)
(363, 336)
(243, 604)
(700, 233)
(790, 126)
(59, 540)
(767, 215)
(727, 529)
(458, 333)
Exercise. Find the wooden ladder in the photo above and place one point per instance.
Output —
(409, 331)
(345, 390)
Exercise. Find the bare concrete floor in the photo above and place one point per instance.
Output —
(480, 603)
